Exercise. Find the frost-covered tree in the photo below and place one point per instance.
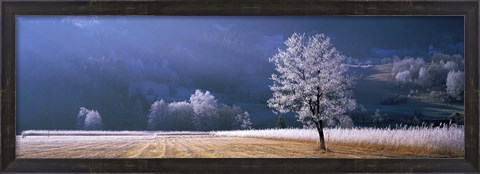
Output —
(204, 108)
(455, 84)
(450, 66)
(158, 113)
(181, 113)
(427, 75)
(422, 77)
(407, 64)
(345, 122)
(342, 121)
(359, 114)
(440, 57)
(243, 120)
(408, 70)
(81, 117)
(377, 117)
(403, 77)
(89, 119)
(226, 117)
(311, 81)
(93, 121)
(437, 74)
(232, 118)
(386, 60)
(201, 113)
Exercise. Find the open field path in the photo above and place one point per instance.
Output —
(188, 146)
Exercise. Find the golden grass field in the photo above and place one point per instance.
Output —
(197, 146)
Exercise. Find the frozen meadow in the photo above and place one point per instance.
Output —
(400, 142)
(77, 133)
(424, 139)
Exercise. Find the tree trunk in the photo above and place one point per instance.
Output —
(319, 125)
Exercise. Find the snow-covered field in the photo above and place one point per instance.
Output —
(433, 139)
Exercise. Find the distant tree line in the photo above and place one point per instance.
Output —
(445, 71)
(202, 113)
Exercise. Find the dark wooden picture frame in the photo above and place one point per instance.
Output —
(468, 9)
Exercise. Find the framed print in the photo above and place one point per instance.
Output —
(239, 86)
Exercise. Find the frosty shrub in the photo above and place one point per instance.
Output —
(403, 77)
(93, 121)
(457, 118)
(89, 119)
(377, 117)
(436, 96)
(368, 62)
(455, 84)
(387, 60)
(243, 120)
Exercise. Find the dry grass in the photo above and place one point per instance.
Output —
(426, 141)
(196, 146)
(400, 151)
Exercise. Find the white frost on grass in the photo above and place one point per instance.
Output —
(436, 139)
(431, 138)
(80, 133)
(105, 133)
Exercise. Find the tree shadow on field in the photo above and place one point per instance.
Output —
(340, 153)
(361, 154)
(321, 150)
